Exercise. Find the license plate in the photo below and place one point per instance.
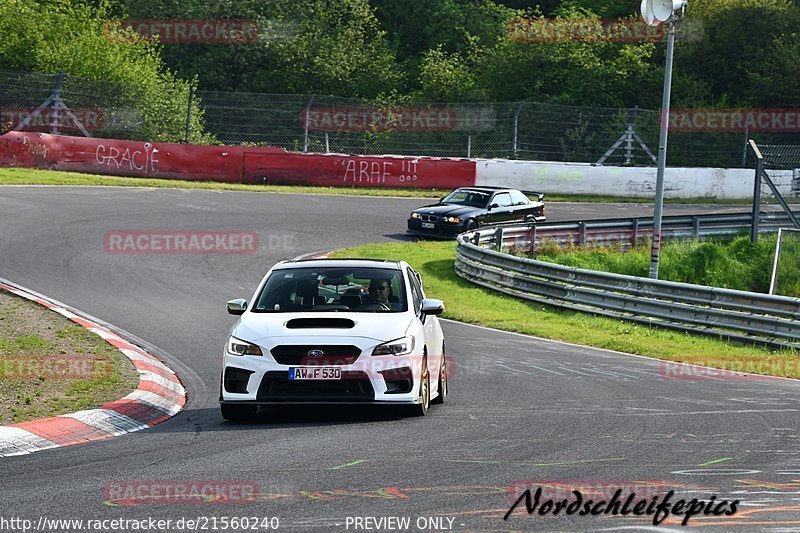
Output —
(317, 372)
(428, 225)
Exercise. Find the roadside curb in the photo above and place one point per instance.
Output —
(158, 397)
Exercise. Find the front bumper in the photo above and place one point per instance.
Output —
(262, 380)
(440, 229)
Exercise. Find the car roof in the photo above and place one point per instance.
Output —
(482, 188)
(345, 262)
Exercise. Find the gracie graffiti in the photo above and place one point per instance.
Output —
(144, 160)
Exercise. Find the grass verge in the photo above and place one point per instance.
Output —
(50, 366)
(734, 263)
(27, 176)
(468, 303)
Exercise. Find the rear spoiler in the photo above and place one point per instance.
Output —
(539, 195)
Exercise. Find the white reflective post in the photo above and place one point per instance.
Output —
(662, 154)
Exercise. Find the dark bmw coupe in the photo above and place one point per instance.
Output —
(470, 207)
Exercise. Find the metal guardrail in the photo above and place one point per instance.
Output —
(738, 315)
(628, 231)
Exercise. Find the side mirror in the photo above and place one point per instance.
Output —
(237, 306)
(494, 206)
(432, 306)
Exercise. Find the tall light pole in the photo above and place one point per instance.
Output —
(653, 12)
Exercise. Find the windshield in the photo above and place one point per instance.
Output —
(467, 197)
(362, 290)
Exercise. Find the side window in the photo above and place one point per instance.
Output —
(502, 199)
(416, 290)
(517, 198)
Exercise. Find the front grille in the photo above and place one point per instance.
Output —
(335, 355)
(429, 218)
(353, 387)
(236, 380)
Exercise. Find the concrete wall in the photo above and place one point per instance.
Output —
(585, 178)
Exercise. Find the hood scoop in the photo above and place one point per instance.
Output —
(320, 323)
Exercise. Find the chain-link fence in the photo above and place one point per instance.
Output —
(314, 123)
(71, 105)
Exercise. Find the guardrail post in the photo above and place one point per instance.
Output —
(476, 238)
(498, 239)
(635, 236)
(532, 239)
(696, 228)
(581, 233)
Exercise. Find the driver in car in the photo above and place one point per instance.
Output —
(380, 290)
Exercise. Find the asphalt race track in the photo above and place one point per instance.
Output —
(522, 411)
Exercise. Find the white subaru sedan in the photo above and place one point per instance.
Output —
(335, 331)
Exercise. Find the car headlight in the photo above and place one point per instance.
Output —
(240, 347)
(415, 215)
(402, 346)
(455, 220)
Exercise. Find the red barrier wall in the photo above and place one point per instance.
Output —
(228, 163)
(370, 171)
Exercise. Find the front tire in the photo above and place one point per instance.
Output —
(442, 383)
(421, 409)
(470, 225)
(238, 413)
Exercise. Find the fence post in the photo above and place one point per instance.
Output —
(56, 98)
(469, 146)
(515, 130)
(756, 191)
(744, 148)
(189, 115)
(305, 123)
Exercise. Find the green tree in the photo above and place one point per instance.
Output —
(746, 56)
(59, 35)
(320, 46)
(585, 72)
(446, 77)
